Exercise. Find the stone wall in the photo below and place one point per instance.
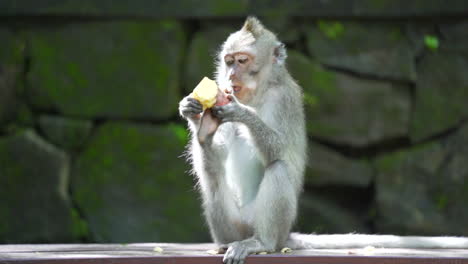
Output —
(91, 143)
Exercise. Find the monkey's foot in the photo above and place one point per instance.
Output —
(222, 249)
(239, 250)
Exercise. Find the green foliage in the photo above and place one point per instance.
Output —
(332, 29)
(431, 42)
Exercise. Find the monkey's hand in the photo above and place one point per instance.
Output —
(231, 112)
(190, 108)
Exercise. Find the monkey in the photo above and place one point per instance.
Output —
(250, 167)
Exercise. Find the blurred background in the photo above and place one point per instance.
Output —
(91, 141)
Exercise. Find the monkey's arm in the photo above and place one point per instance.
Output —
(206, 156)
(211, 163)
(267, 139)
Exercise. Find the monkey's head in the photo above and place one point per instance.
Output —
(247, 59)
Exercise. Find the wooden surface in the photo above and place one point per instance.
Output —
(197, 253)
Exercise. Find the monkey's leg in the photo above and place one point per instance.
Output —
(275, 211)
(219, 213)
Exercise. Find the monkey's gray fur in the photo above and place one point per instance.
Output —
(250, 171)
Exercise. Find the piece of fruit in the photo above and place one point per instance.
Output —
(158, 249)
(206, 92)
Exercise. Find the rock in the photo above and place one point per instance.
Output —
(11, 61)
(132, 185)
(441, 94)
(12, 52)
(283, 26)
(376, 50)
(227, 8)
(34, 201)
(423, 190)
(66, 133)
(319, 214)
(8, 95)
(417, 33)
(349, 110)
(123, 9)
(22, 117)
(108, 69)
(202, 54)
(454, 30)
(327, 167)
(355, 9)
(455, 37)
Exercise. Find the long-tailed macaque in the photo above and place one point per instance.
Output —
(250, 166)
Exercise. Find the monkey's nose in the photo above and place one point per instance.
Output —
(227, 91)
(232, 75)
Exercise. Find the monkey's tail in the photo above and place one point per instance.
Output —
(313, 241)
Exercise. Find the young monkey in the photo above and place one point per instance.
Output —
(251, 164)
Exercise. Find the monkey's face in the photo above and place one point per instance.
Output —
(241, 76)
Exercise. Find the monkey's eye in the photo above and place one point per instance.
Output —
(229, 61)
(243, 60)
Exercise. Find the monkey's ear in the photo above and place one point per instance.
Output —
(280, 54)
(254, 26)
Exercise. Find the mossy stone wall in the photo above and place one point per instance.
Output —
(92, 147)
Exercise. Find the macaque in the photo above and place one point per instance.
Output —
(250, 161)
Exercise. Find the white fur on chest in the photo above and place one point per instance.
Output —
(243, 166)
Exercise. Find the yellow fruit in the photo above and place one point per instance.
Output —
(206, 92)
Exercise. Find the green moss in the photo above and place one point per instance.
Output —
(436, 107)
(324, 81)
(393, 160)
(137, 172)
(431, 42)
(390, 162)
(331, 29)
(361, 47)
(76, 77)
(323, 87)
(442, 201)
(229, 7)
(310, 100)
(395, 36)
(168, 25)
(377, 4)
(118, 71)
(13, 47)
(79, 226)
(180, 132)
(322, 128)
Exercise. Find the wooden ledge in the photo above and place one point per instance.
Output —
(147, 253)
